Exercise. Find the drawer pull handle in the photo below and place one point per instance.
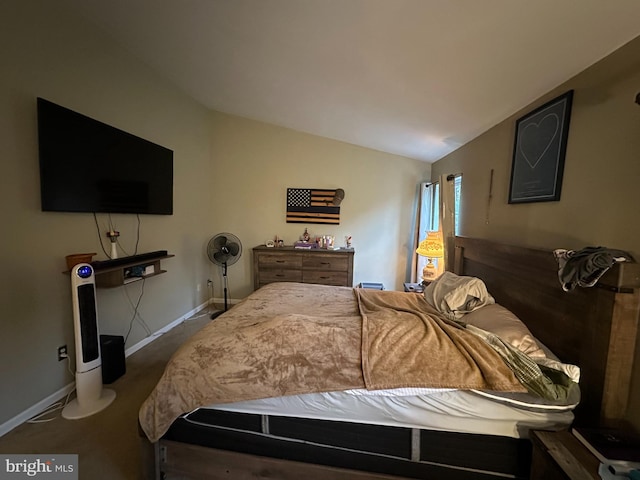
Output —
(325, 263)
(279, 261)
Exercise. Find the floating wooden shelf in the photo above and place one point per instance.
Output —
(117, 276)
(123, 274)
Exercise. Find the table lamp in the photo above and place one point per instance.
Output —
(431, 247)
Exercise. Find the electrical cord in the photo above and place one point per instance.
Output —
(95, 219)
(112, 229)
(195, 317)
(135, 252)
(211, 302)
(69, 365)
(135, 312)
(134, 306)
(54, 407)
(137, 235)
(50, 409)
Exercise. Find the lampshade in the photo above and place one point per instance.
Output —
(432, 246)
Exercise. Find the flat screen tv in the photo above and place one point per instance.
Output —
(89, 166)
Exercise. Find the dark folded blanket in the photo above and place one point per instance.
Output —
(583, 268)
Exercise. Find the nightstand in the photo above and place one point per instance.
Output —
(561, 456)
(413, 287)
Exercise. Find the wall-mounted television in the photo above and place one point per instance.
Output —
(89, 166)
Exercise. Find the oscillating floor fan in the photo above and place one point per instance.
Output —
(224, 249)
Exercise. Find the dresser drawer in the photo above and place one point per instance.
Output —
(270, 275)
(325, 277)
(326, 262)
(274, 260)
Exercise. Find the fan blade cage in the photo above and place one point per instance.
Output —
(233, 248)
(221, 257)
(224, 249)
(219, 241)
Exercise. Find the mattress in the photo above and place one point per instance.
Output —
(443, 410)
(375, 433)
(393, 432)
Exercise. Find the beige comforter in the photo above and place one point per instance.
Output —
(289, 338)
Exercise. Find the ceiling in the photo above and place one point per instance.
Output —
(417, 78)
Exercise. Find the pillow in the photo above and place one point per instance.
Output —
(497, 319)
(454, 295)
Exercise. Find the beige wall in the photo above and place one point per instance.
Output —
(230, 174)
(44, 53)
(254, 164)
(599, 202)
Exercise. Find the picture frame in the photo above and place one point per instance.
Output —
(539, 151)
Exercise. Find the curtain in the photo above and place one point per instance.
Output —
(447, 218)
(425, 222)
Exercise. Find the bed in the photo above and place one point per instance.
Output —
(337, 422)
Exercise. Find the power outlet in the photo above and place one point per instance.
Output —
(62, 353)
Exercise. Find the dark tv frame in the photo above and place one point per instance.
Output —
(89, 166)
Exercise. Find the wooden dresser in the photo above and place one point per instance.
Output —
(289, 264)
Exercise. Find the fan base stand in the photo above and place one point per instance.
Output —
(90, 396)
(216, 314)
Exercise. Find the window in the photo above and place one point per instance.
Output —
(457, 189)
(429, 208)
(429, 216)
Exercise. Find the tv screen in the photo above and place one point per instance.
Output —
(89, 166)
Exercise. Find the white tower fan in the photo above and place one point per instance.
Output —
(90, 396)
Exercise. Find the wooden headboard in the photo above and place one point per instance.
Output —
(595, 328)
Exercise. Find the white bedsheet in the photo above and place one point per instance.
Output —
(447, 410)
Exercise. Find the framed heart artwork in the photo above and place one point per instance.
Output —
(539, 150)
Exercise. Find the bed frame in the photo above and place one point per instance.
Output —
(595, 328)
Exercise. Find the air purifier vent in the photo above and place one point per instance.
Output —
(88, 322)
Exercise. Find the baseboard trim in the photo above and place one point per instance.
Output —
(34, 410)
(43, 404)
(147, 340)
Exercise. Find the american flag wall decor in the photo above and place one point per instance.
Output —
(312, 205)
